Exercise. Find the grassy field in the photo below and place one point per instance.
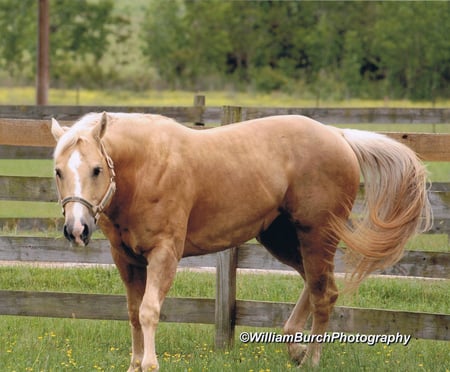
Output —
(41, 344)
(26, 96)
(63, 345)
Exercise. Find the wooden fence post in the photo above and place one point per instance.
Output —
(199, 103)
(42, 81)
(225, 309)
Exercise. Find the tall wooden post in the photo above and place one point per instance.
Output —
(42, 81)
(225, 314)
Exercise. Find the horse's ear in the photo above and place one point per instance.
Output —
(57, 130)
(100, 129)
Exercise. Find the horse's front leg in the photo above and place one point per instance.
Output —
(135, 293)
(134, 279)
(161, 270)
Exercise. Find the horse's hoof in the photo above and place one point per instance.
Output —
(297, 352)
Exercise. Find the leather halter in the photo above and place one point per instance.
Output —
(94, 210)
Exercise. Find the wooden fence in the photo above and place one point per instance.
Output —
(24, 134)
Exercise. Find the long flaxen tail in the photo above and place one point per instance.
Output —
(396, 205)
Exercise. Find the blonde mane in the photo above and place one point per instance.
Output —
(75, 132)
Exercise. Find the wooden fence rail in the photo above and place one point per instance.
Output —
(24, 133)
(355, 115)
(248, 313)
(199, 113)
(249, 256)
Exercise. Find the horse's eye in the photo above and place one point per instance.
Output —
(96, 171)
(58, 173)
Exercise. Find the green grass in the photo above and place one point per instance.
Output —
(41, 344)
(26, 96)
(22, 209)
(58, 345)
(26, 168)
(429, 243)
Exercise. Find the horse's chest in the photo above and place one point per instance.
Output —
(138, 239)
(129, 239)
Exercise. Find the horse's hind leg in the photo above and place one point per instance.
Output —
(282, 241)
(312, 255)
(318, 256)
(296, 323)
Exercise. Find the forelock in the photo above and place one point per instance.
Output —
(75, 133)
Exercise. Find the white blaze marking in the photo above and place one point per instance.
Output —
(78, 210)
(74, 164)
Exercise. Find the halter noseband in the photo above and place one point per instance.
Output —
(94, 210)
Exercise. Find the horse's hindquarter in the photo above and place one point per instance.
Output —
(240, 182)
(246, 174)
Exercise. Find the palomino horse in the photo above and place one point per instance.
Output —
(161, 191)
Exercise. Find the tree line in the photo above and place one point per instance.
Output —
(328, 49)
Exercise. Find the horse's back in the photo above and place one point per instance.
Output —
(248, 172)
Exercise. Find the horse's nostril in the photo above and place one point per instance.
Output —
(66, 233)
(85, 233)
(69, 235)
(78, 233)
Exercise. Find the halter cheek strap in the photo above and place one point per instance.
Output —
(94, 210)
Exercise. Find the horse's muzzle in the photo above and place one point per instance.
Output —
(78, 233)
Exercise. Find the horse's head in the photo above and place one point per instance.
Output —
(84, 175)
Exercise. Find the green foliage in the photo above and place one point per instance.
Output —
(328, 50)
(80, 34)
(78, 46)
(414, 52)
(18, 37)
(185, 47)
(338, 48)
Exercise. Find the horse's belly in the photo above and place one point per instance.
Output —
(225, 231)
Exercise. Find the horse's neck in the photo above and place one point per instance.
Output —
(124, 144)
(132, 149)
